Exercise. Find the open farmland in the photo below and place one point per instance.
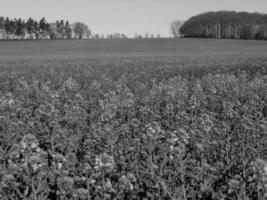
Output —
(134, 48)
(133, 119)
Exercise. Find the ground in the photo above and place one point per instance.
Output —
(133, 119)
(134, 48)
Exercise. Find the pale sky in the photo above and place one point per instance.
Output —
(124, 16)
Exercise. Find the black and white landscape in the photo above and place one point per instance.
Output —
(134, 100)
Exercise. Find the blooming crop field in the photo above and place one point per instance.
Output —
(164, 127)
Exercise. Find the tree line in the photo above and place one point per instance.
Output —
(34, 29)
(223, 25)
(109, 36)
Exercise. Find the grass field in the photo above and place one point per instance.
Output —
(134, 48)
(133, 119)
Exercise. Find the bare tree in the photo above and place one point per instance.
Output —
(175, 28)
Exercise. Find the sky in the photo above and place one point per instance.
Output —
(123, 16)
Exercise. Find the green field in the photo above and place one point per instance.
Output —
(134, 48)
(130, 119)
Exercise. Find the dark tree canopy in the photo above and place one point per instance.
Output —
(226, 25)
(81, 30)
(32, 29)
